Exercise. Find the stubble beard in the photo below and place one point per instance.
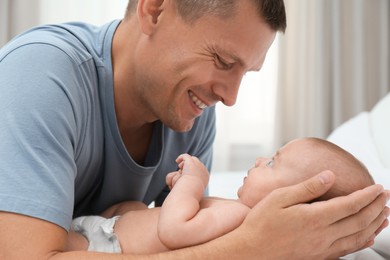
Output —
(175, 122)
(168, 114)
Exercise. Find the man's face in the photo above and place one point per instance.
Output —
(188, 67)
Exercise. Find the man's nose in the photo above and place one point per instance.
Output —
(227, 89)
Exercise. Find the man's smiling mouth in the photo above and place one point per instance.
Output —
(197, 101)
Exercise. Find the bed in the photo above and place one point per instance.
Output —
(367, 137)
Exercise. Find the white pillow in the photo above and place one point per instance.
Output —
(380, 129)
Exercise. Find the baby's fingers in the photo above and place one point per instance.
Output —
(182, 157)
(171, 179)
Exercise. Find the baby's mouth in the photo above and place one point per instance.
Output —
(197, 101)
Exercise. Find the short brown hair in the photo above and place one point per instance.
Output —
(272, 11)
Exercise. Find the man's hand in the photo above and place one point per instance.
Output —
(282, 226)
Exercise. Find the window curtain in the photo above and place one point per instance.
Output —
(17, 16)
(334, 63)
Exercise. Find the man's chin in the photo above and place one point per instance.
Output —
(182, 127)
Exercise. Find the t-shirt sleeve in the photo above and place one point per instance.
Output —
(37, 133)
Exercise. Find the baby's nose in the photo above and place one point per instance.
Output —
(258, 161)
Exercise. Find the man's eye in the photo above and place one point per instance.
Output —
(270, 163)
(222, 64)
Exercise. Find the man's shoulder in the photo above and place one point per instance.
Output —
(79, 41)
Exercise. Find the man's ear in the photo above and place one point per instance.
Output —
(149, 12)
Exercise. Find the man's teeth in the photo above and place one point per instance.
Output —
(197, 102)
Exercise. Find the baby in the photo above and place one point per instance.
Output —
(186, 218)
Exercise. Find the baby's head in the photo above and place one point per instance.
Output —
(299, 160)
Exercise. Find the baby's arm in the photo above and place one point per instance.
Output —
(183, 222)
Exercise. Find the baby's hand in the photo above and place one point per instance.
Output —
(191, 165)
(172, 178)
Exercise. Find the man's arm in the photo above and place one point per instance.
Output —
(23, 237)
(325, 229)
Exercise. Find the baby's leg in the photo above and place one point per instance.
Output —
(76, 242)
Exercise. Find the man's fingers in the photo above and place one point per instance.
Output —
(370, 220)
(372, 197)
(362, 239)
(305, 191)
(385, 224)
(359, 230)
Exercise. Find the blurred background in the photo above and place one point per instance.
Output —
(332, 63)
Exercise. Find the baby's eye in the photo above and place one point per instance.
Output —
(270, 163)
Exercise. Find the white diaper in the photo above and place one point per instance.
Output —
(99, 232)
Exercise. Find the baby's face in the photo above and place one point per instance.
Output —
(285, 168)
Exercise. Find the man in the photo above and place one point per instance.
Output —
(94, 116)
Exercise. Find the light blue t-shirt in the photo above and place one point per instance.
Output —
(61, 154)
